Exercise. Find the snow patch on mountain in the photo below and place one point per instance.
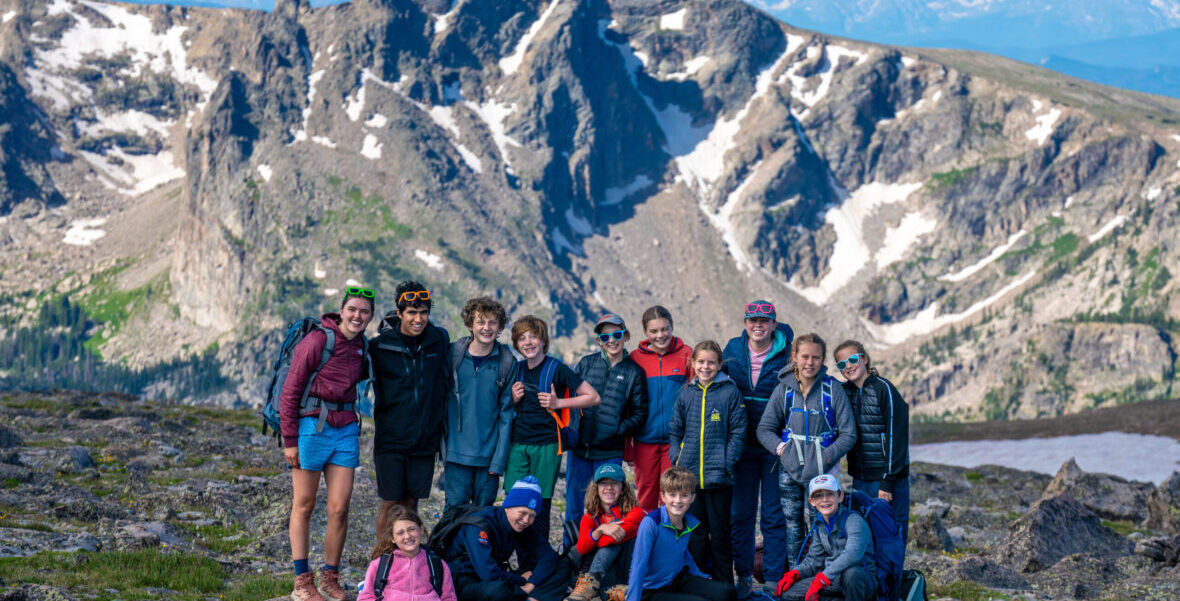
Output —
(900, 238)
(690, 68)
(974, 268)
(673, 21)
(135, 121)
(135, 173)
(493, 113)
(851, 248)
(371, 148)
(265, 172)
(613, 196)
(834, 53)
(8, 16)
(443, 22)
(928, 320)
(429, 259)
(354, 105)
(84, 232)
(377, 120)
(1107, 228)
(1040, 132)
(509, 64)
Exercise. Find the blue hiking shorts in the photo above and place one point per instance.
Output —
(340, 446)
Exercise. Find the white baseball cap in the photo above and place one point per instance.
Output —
(823, 482)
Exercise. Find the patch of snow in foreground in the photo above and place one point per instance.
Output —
(996, 253)
(430, 259)
(899, 239)
(1108, 228)
(377, 120)
(371, 148)
(614, 196)
(1131, 456)
(265, 172)
(673, 21)
(851, 249)
(1040, 132)
(509, 64)
(928, 320)
(83, 232)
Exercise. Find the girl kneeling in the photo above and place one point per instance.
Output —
(607, 535)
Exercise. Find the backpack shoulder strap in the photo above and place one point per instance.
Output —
(507, 364)
(826, 399)
(436, 571)
(458, 350)
(382, 576)
(325, 355)
(548, 370)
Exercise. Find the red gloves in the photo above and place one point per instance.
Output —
(818, 583)
(788, 579)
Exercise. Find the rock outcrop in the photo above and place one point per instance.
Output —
(1110, 497)
(1053, 528)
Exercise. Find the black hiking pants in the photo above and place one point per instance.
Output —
(470, 588)
(712, 543)
(854, 584)
(686, 587)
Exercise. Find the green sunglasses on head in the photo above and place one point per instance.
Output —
(361, 292)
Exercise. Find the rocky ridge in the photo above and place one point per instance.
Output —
(192, 178)
(99, 477)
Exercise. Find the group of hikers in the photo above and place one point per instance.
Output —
(715, 437)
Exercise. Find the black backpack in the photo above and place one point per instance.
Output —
(448, 525)
(382, 577)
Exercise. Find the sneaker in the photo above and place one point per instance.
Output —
(330, 586)
(745, 587)
(305, 588)
(617, 592)
(585, 590)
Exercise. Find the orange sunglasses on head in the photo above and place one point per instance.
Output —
(413, 295)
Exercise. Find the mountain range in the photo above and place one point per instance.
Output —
(179, 182)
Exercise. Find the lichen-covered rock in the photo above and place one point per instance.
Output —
(1111, 497)
(1163, 505)
(988, 573)
(927, 532)
(1162, 549)
(1053, 528)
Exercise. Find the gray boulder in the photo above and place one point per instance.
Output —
(9, 438)
(1053, 528)
(988, 573)
(1163, 505)
(929, 533)
(1163, 549)
(1108, 496)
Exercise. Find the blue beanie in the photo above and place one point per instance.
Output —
(525, 493)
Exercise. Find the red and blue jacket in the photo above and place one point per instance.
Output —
(666, 375)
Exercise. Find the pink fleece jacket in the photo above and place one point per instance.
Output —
(409, 580)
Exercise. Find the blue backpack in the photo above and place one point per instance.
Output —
(567, 420)
(888, 544)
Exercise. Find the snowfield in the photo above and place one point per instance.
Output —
(1131, 456)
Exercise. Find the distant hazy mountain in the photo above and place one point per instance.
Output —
(1124, 43)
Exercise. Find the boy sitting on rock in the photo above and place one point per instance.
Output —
(840, 559)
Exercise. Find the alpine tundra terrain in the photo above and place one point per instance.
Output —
(108, 497)
(180, 182)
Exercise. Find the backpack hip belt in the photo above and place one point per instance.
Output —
(822, 440)
(311, 402)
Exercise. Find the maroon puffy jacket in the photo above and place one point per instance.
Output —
(335, 383)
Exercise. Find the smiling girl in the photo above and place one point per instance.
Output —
(410, 570)
(666, 361)
(880, 461)
(706, 437)
(809, 425)
(321, 435)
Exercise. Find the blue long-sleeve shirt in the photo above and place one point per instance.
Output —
(660, 553)
(475, 550)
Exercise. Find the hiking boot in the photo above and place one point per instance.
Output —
(617, 592)
(330, 586)
(745, 587)
(305, 588)
(585, 590)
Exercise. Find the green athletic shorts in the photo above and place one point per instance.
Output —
(539, 460)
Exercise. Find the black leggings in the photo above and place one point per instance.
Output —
(711, 545)
(686, 587)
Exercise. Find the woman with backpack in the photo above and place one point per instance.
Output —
(402, 568)
(321, 435)
(880, 461)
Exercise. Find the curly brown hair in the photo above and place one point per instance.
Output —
(485, 306)
(627, 499)
(393, 514)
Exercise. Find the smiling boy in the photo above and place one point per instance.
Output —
(410, 366)
(479, 408)
(840, 558)
(662, 569)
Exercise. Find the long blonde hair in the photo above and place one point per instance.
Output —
(627, 499)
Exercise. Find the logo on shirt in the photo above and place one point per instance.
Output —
(715, 416)
(619, 377)
(483, 537)
(675, 370)
(360, 352)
